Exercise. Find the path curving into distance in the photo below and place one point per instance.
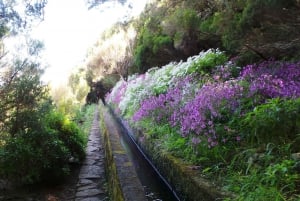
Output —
(91, 182)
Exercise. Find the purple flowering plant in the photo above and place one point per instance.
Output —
(218, 119)
(273, 79)
(199, 116)
(204, 108)
(159, 107)
(127, 96)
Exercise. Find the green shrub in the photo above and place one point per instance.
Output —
(182, 24)
(150, 44)
(187, 19)
(34, 156)
(42, 153)
(138, 59)
(159, 42)
(206, 63)
(273, 182)
(69, 133)
(212, 23)
(184, 21)
(86, 117)
(281, 174)
(276, 121)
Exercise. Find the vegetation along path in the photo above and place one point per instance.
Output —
(91, 182)
(86, 183)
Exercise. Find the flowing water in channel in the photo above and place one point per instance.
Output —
(155, 186)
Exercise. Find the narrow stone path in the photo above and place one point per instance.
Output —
(91, 183)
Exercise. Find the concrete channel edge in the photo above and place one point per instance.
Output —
(183, 179)
(123, 182)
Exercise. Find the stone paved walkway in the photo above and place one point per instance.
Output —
(91, 183)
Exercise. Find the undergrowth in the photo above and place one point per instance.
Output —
(240, 125)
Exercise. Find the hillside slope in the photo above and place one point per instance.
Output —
(236, 126)
(249, 31)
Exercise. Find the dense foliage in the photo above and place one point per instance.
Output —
(42, 152)
(249, 31)
(173, 30)
(37, 143)
(241, 124)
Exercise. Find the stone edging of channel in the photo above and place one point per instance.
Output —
(184, 179)
(123, 182)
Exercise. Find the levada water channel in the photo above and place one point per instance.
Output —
(156, 186)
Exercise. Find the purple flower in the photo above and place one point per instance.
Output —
(196, 140)
(159, 108)
(199, 107)
(197, 116)
(272, 79)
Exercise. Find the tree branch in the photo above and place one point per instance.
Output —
(256, 52)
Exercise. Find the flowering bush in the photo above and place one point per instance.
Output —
(202, 106)
(213, 114)
(127, 96)
(198, 116)
(208, 62)
(272, 79)
(159, 107)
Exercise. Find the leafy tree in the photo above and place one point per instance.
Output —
(31, 150)
(169, 32)
(182, 24)
(97, 92)
(36, 143)
(20, 90)
(94, 3)
(24, 97)
(17, 15)
(78, 85)
(42, 149)
(112, 54)
(65, 100)
(153, 49)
